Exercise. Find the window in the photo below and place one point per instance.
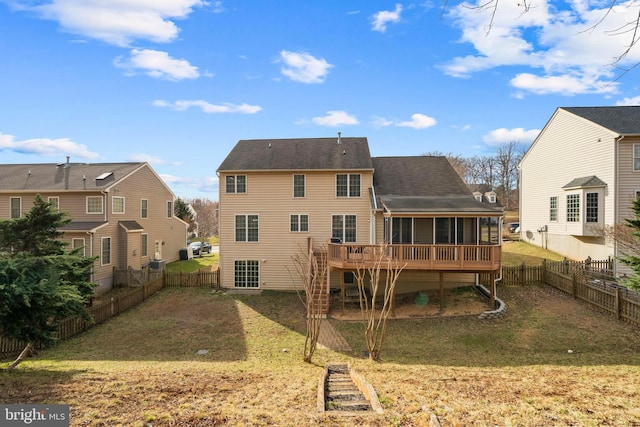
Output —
(105, 251)
(478, 196)
(402, 230)
(246, 274)
(492, 198)
(553, 208)
(78, 244)
(348, 185)
(592, 207)
(298, 186)
(144, 245)
(636, 157)
(117, 205)
(299, 222)
(573, 207)
(144, 208)
(169, 209)
(246, 228)
(54, 202)
(94, 204)
(16, 207)
(343, 227)
(236, 183)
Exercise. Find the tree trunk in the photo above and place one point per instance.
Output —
(24, 353)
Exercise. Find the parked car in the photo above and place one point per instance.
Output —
(199, 248)
(514, 227)
(196, 248)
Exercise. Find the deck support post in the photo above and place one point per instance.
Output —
(441, 291)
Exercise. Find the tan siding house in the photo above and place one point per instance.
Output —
(579, 176)
(278, 196)
(119, 211)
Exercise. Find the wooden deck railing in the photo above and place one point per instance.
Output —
(418, 257)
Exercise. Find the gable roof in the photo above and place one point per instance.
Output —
(624, 120)
(298, 154)
(585, 181)
(54, 177)
(422, 184)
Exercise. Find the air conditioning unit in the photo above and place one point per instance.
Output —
(157, 264)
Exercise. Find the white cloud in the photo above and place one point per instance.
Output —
(335, 118)
(207, 107)
(382, 18)
(629, 101)
(46, 147)
(118, 22)
(203, 185)
(571, 48)
(505, 136)
(304, 68)
(418, 121)
(157, 64)
(563, 84)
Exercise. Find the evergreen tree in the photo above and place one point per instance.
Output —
(632, 258)
(40, 284)
(181, 210)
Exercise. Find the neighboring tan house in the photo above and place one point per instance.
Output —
(121, 212)
(279, 196)
(580, 175)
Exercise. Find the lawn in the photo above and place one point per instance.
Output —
(551, 361)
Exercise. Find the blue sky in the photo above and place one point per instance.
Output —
(177, 83)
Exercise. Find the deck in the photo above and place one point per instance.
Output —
(472, 258)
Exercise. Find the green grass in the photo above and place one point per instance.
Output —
(142, 367)
(194, 264)
(518, 253)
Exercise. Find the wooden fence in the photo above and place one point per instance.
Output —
(104, 311)
(589, 281)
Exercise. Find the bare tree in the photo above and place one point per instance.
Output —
(310, 268)
(207, 212)
(507, 164)
(368, 277)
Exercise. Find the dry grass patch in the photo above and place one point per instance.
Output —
(142, 368)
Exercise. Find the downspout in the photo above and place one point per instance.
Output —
(616, 195)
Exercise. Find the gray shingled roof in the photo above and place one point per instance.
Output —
(624, 120)
(131, 225)
(422, 184)
(298, 154)
(62, 176)
(586, 181)
(80, 226)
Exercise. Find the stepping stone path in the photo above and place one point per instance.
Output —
(342, 391)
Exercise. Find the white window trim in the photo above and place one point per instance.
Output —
(235, 184)
(169, 210)
(234, 273)
(343, 224)
(633, 158)
(102, 239)
(299, 215)
(142, 210)
(246, 234)
(113, 211)
(348, 196)
(11, 199)
(293, 179)
(144, 249)
(101, 205)
(51, 198)
(83, 246)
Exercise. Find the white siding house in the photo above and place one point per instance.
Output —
(578, 177)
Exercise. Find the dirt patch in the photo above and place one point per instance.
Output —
(457, 302)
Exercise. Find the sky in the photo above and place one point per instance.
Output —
(176, 83)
